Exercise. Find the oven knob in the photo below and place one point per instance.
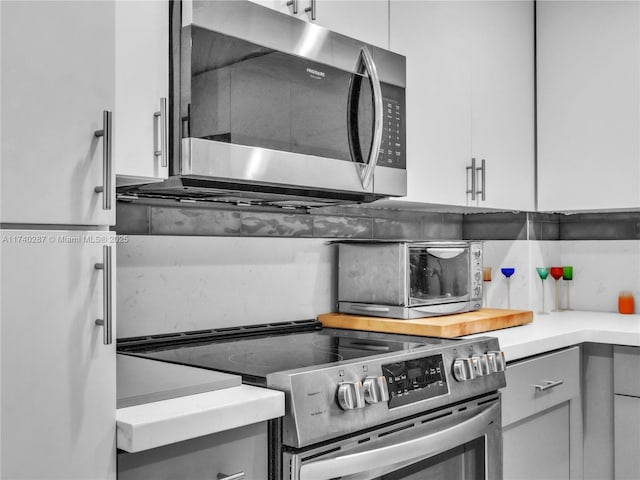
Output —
(375, 389)
(480, 365)
(463, 369)
(496, 359)
(350, 395)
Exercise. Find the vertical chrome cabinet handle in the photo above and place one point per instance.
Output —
(311, 8)
(294, 4)
(107, 138)
(483, 179)
(164, 139)
(233, 476)
(366, 175)
(107, 295)
(472, 169)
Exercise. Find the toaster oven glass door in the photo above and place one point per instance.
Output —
(438, 275)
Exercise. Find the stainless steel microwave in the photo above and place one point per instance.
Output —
(268, 108)
(409, 279)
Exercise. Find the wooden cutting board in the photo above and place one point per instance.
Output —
(448, 326)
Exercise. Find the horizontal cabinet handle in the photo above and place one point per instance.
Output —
(233, 476)
(548, 385)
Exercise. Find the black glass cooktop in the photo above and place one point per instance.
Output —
(256, 357)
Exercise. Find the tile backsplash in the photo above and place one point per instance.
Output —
(191, 268)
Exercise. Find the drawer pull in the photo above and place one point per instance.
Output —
(548, 385)
(234, 476)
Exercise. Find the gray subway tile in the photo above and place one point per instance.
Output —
(342, 227)
(495, 226)
(132, 219)
(194, 221)
(397, 229)
(255, 224)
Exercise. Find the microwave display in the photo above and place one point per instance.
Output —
(246, 94)
(438, 273)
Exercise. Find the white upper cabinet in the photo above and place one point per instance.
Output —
(142, 88)
(57, 81)
(366, 20)
(588, 105)
(470, 94)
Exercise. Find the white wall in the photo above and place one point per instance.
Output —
(168, 284)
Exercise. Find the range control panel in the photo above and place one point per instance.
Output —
(417, 379)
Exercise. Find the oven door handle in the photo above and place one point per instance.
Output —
(402, 452)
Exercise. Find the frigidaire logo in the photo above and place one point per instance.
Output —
(315, 72)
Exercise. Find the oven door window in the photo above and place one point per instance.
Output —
(438, 275)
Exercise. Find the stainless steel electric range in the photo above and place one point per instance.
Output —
(360, 405)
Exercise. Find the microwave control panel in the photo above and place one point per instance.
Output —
(392, 146)
(415, 380)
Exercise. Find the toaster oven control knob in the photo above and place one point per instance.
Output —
(496, 359)
(375, 389)
(480, 365)
(463, 369)
(350, 395)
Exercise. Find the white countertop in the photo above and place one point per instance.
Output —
(154, 424)
(562, 329)
(150, 425)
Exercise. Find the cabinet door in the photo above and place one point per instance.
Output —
(366, 20)
(57, 377)
(212, 456)
(142, 79)
(502, 101)
(627, 437)
(588, 80)
(434, 36)
(57, 79)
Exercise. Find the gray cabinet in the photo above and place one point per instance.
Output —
(57, 80)
(213, 456)
(542, 418)
(626, 386)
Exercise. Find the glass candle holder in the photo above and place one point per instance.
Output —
(567, 276)
(626, 304)
(486, 278)
(508, 272)
(556, 273)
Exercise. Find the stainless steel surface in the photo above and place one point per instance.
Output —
(233, 476)
(107, 295)
(314, 414)
(311, 9)
(498, 360)
(374, 80)
(402, 444)
(375, 389)
(548, 385)
(481, 365)
(162, 150)
(288, 34)
(350, 395)
(406, 313)
(107, 161)
(381, 279)
(483, 180)
(463, 369)
(294, 5)
(471, 171)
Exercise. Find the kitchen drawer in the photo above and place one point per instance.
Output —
(522, 398)
(626, 365)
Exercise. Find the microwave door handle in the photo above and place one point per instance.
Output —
(445, 253)
(398, 453)
(366, 62)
